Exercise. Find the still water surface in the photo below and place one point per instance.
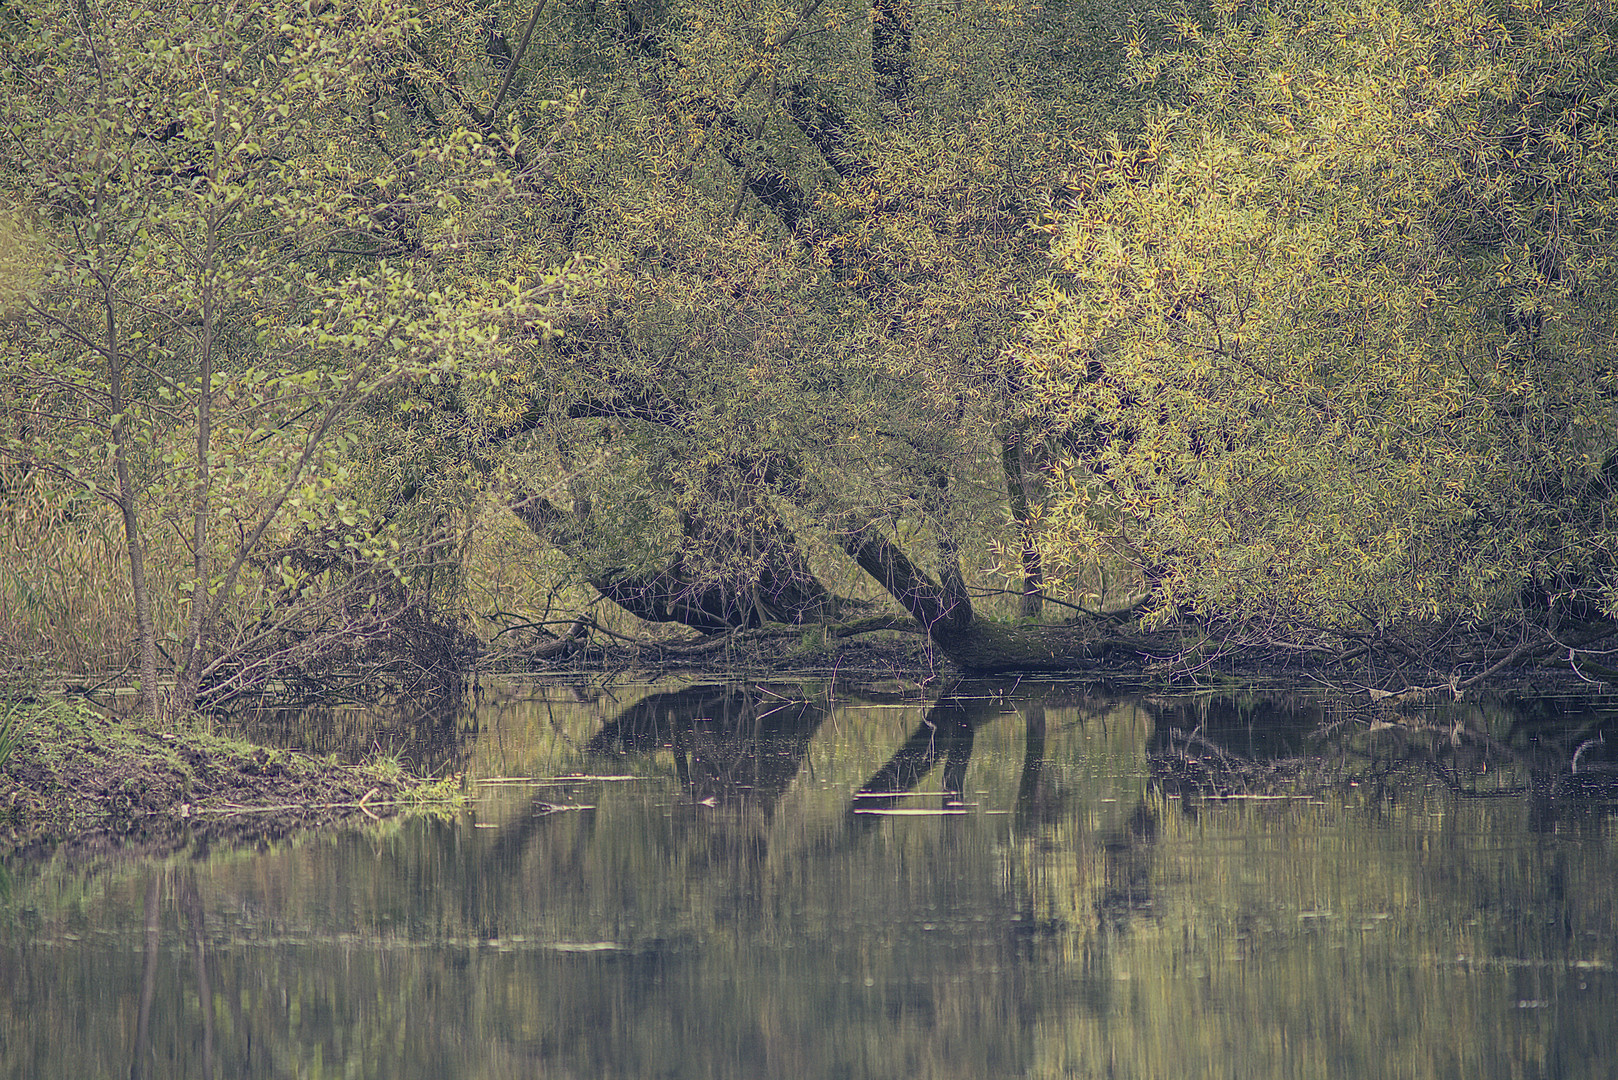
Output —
(781, 881)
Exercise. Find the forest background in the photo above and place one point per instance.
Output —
(364, 336)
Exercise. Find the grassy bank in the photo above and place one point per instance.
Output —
(72, 775)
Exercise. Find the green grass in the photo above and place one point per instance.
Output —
(386, 765)
(16, 717)
(74, 769)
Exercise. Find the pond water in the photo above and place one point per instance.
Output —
(751, 880)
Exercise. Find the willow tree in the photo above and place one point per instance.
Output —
(222, 267)
(1331, 345)
(810, 221)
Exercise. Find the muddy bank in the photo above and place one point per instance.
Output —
(78, 780)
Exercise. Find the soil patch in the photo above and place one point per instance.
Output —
(80, 780)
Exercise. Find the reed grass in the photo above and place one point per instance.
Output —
(515, 579)
(65, 598)
(16, 717)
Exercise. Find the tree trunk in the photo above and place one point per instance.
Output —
(784, 590)
(134, 545)
(971, 643)
(1033, 573)
(987, 648)
(892, 22)
(188, 679)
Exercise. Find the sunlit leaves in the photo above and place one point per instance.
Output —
(1328, 340)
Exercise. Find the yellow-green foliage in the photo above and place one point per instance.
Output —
(849, 320)
(1332, 340)
(17, 257)
(232, 246)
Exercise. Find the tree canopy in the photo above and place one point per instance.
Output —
(223, 257)
(1331, 341)
(1288, 321)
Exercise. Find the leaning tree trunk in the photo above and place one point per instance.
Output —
(783, 590)
(967, 640)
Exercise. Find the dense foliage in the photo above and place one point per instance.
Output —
(1332, 343)
(204, 205)
(715, 299)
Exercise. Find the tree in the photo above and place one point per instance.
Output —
(232, 250)
(1330, 344)
(810, 221)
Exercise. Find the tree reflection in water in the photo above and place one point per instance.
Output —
(946, 732)
(735, 745)
(744, 747)
(144, 1058)
(1102, 884)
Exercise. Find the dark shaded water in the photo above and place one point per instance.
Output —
(751, 881)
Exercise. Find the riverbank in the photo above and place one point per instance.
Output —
(80, 779)
(1173, 658)
(75, 777)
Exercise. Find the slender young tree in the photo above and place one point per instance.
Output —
(227, 270)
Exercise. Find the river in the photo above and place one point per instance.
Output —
(755, 880)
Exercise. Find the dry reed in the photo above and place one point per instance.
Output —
(65, 598)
